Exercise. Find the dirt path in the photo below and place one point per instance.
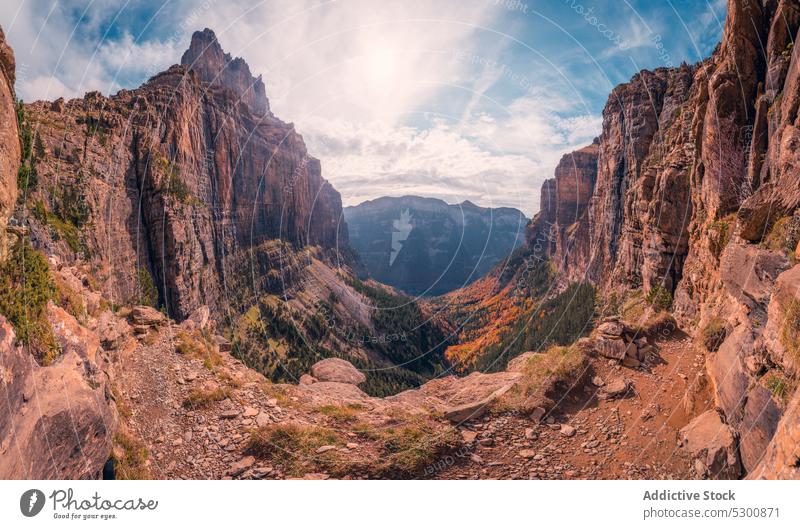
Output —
(634, 437)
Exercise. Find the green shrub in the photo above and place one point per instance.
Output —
(779, 386)
(25, 288)
(659, 298)
(148, 293)
(26, 175)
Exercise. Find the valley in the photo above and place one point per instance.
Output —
(184, 296)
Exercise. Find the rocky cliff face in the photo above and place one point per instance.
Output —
(696, 193)
(426, 247)
(9, 141)
(216, 68)
(168, 184)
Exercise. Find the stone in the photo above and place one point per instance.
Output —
(713, 444)
(611, 329)
(325, 448)
(352, 446)
(597, 381)
(238, 468)
(198, 319)
(567, 430)
(306, 379)
(610, 348)
(531, 434)
(527, 454)
(536, 414)
(10, 142)
(250, 412)
(631, 350)
(262, 419)
(63, 410)
(465, 412)
(630, 362)
(229, 414)
(617, 387)
(142, 315)
(468, 436)
(337, 370)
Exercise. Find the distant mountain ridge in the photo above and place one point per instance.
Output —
(425, 246)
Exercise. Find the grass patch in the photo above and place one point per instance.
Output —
(199, 345)
(412, 445)
(719, 235)
(295, 445)
(148, 293)
(344, 414)
(202, 397)
(780, 387)
(713, 334)
(546, 375)
(130, 457)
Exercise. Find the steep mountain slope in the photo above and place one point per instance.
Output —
(427, 247)
(693, 207)
(9, 145)
(188, 192)
(176, 180)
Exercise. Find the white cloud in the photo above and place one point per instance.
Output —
(352, 75)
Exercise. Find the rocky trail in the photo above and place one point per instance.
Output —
(591, 436)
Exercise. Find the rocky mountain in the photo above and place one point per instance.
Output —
(9, 144)
(177, 180)
(426, 247)
(647, 328)
(688, 202)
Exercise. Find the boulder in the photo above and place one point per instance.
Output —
(781, 457)
(337, 370)
(113, 331)
(611, 329)
(617, 387)
(468, 411)
(63, 410)
(631, 362)
(713, 446)
(142, 315)
(610, 348)
(198, 319)
(238, 468)
(307, 379)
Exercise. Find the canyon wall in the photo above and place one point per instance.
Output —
(9, 141)
(170, 182)
(696, 192)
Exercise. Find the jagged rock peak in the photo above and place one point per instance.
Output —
(206, 57)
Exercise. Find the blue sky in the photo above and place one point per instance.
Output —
(460, 100)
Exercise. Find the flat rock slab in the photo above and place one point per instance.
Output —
(337, 370)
